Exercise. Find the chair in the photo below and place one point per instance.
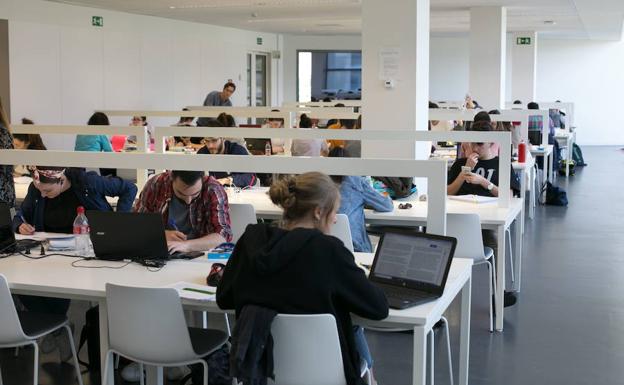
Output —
(141, 331)
(342, 231)
(241, 215)
(467, 229)
(24, 328)
(306, 351)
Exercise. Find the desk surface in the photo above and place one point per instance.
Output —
(54, 276)
(489, 213)
(535, 150)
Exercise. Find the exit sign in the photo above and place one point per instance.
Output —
(259, 41)
(97, 21)
(523, 41)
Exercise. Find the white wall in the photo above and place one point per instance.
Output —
(293, 43)
(62, 68)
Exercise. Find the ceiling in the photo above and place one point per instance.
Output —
(593, 19)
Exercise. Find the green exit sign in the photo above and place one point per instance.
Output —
(97, 21)
(523, 41)
(259, 41)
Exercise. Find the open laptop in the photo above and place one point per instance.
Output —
(411, 268)
(137, 236)
(7, 237)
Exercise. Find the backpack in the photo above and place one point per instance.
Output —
(90, 334)
(555, 196)
(218, 369)
(395, 187)
(577, 156)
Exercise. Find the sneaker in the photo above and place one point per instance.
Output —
(131, 373)
(176, 373)
(510, 298)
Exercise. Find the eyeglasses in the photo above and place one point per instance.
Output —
(405, 206)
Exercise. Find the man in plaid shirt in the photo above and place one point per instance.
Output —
(194, 208)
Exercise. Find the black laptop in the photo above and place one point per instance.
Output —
(7, 237)
(411, 268)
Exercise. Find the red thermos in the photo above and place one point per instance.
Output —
(521, 152)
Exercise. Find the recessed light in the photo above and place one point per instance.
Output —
(550, 22)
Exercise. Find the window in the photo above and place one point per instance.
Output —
(344, 72)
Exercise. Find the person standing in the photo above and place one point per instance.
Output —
(7, 188)
(218, 98)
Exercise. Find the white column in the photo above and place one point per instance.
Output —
(524, 66)
(488, 29)
(395, 50)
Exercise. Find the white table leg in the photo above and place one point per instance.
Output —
(419, 370)
(500, 278)
(551, 158)
(154, 375)
(523, 183)
(103, 314)
(532, 192)
(517, 239)
(464, 332)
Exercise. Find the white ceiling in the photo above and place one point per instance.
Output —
(594, 19)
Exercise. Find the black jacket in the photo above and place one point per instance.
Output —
(302, 271)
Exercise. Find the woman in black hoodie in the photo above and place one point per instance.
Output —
(297, 268)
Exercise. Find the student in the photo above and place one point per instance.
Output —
(218, 98)
(221, 146)
(56, 192)
(482, 180)
(226, 120)
(7, 187)
(96, 143)
(466, 148)
(353, 148)
(278, 146)
(356, 192)
(141, 121)
(26, 142)
(308, 147)
(297, 268)
(194, 208)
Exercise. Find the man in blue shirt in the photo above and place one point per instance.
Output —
(220, 146)
(218, 98)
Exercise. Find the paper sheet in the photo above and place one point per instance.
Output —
(186, 290)
(472, 198)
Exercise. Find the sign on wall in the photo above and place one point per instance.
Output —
(523, 41)
(97, 21)
(259, 41)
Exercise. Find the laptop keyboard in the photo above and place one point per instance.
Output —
(401, 293)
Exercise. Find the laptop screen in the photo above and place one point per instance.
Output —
(413, 257)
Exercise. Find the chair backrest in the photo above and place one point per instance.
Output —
(342, 230)
(10, 327)
(148, 324)
(241, 215)
(118, 142)
(467, 229)
(306, 350)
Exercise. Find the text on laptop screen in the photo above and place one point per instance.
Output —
(413, 258)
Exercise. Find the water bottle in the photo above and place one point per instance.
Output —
(81, 233)
(267, 148)
(521, 152)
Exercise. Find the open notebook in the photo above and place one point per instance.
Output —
(472, 198)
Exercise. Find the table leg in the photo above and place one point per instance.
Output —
(532, 193)
(103, 313)
(523, 188)
(500, 278)
(551, 158)
(517, 256)
(464, 332)
(419, 370)
(154, 375)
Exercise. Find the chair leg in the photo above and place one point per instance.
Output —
(227, 325)
(74, 354)
(511, 256)
(16, 353)
(430, 336)
(36, 363)
(369, 376)
(107, 362)
(448, 348)
(116, 361)
(141, 374)
(205, 365)
(1, 376)
(490, 281)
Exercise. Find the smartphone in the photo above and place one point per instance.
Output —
(466, 169)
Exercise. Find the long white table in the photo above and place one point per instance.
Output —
(55, 277)
(492, 217)
(547, 153)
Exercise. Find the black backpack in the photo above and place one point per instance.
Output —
(577, 156)
(555, 196)
(90, 334)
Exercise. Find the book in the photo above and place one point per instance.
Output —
(471, 198)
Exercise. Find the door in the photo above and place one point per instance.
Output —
(258, 82)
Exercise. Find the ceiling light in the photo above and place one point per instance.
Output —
(550, 22)
(172, 7)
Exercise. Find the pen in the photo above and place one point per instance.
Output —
(198, 291)
(172, 224)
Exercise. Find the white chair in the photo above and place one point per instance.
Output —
(342, 231)
(431, 336)
(24, 328)
(241, 215)
(467, 229)
(306, 351)
(141, 331)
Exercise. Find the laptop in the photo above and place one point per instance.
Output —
(7, 237)
(412, 268)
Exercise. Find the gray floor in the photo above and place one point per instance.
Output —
(567, 327)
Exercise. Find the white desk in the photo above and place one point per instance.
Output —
(491, 216)
(547, 154)
(55, 277)
(526, 173)
(569, 137)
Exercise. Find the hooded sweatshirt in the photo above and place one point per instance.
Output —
(302, 271)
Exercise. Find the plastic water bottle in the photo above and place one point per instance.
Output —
(522, 152)
(81, 233)
(267, 148)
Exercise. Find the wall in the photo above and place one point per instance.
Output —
(292, 43)
(62, 68)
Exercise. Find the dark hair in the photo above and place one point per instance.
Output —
(517, 102)
(313, 99)
(213, 123)
(34, 141)
(187, 177)
(482, 116)
(327, 100)
(358, 123)
(98, 119)
(533, 106)
(349, 124)
(281, 120)
(185, 118)
(226, 120)
(305, 122)
(339, 105)
(482, 126)
(229, 84)
(433, 105)
(301, 194)
(27, 121)
(494, 112)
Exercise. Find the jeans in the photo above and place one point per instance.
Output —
(362, 346)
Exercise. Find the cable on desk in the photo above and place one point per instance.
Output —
(97, 267)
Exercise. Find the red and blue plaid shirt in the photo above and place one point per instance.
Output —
(209, 212)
